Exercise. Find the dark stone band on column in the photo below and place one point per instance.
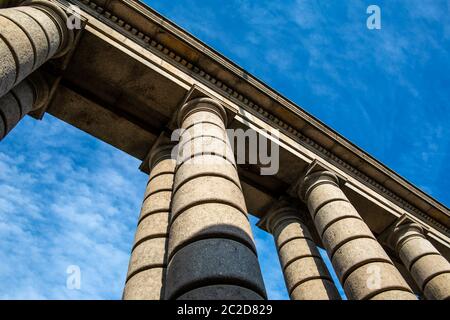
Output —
(211, 249)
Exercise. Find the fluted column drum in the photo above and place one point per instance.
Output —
(28, 95)
(146, 271)
(362, 265)
(305, 273)
(29, 36)
(211, 251)
(429, 269)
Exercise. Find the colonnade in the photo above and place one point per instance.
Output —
(210, 252)
(193, 238)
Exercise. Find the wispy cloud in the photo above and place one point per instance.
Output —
(59, 209)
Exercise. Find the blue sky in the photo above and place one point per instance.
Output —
(68, 199)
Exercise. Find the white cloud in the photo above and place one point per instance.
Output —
(60, 208)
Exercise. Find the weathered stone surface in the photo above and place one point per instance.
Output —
(290, 229)
(202, 110)
(429, 269)
(304, 268)
(154, 225)
(373, 279)
(48, 25)
(295, 249)
(438, 287)
(315, 289)
(201, 145)
(158, 201)
(205, 118)
(34, 33)
(333, 211)
(27, 35)
(356, 253)
(394, 295)
(349, 242)
(205, 129)
(211, 243)
(210, 220)
(20, 47)
(18, 102)
(207, 189)
(221, 292)
(145, 285)
(343, 231)
(407, 277)
(8, 71)
(316, 195)
(211, 165)
(305, 273)
(161, 168)
(10, 110)
(414, 248)
(162, 182)
(30, 36)
(213, 261)
(148, 257)
(25, 95)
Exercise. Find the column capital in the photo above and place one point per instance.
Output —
(312, 179)
(67, 34)
(211, 252)
(41, 89)
(315, 174)
(404, 231)
(305, 273)
(201, 104)
(32, 33)
(282, 210)
(429, 269)
(349, 242)
(160, 152)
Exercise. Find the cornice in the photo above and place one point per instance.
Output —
(228, 91)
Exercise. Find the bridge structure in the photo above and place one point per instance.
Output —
(121, 72)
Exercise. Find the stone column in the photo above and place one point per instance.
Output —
(362, 265)
(211, 252)
(429, 269)
(29, 36)
(305, 273)
(28, 95)
(146, 271)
